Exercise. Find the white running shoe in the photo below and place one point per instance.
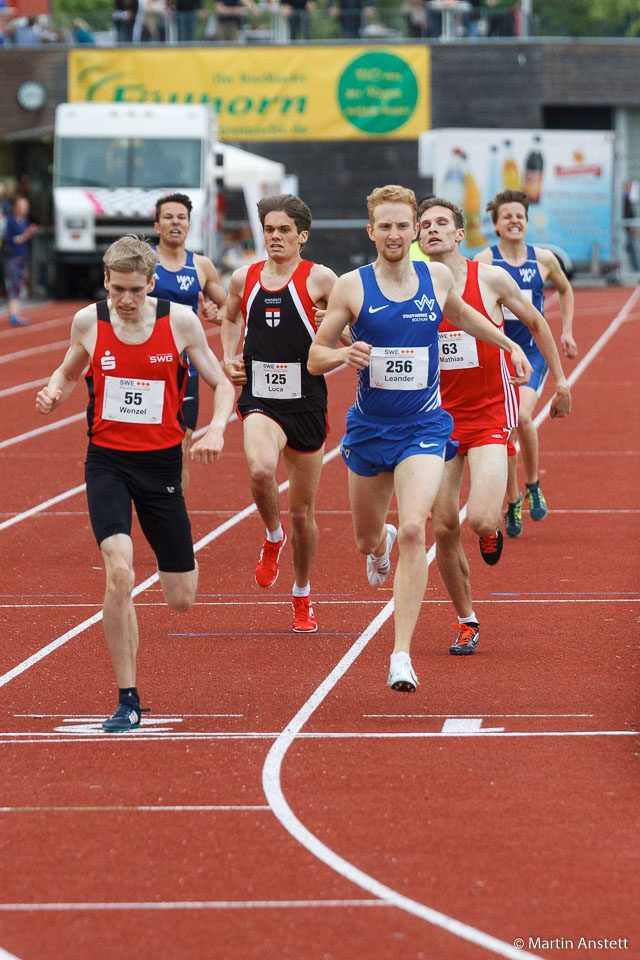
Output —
(378, 567)
(402, 676)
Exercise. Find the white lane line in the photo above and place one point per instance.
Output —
(191, 905)
(40, 430)
(42, 506)
(86, 624)
(34, 351)
(318, 603)
(9, 391)
(271, 771)
(141, 736)
(5, 955)
(223, 808)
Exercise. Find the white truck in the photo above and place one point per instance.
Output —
(112, 161)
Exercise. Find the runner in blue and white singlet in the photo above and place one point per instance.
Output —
(397, 403)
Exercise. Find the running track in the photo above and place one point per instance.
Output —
(280, 801)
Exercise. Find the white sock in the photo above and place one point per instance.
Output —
(301, 591)
(275, 536)
(470, 619)
(402, 653)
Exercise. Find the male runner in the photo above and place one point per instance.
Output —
(185, 277)
(476, 390)
(133, 345)
(283, 407)
(397, 431)
(530, 267)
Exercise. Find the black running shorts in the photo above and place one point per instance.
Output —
(305, 430)
(149, 479)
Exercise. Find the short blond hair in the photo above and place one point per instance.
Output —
(130, 254)
(392, 193)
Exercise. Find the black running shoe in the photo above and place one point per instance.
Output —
(467, 641)
(491, 547)
(126, 717)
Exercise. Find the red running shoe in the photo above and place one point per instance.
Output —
(267, 566)
(303, 618)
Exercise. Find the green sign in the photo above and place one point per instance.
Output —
(378, 92)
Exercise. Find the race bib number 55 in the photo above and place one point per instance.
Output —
(399, 368)
(133, 401)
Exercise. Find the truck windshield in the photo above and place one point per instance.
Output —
(127, 162)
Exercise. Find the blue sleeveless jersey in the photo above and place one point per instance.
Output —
(181, 286)
(388, 323)
(527, 276)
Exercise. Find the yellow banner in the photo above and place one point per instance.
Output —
(316, 93)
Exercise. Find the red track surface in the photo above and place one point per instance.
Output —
(419, 842)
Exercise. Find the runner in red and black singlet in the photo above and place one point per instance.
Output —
(282, 406)
(134, 346)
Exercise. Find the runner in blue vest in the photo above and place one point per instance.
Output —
(530, 267)
(397, 431)
(185, 277)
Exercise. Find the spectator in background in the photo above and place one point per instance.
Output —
(82, 32)
(124, 17)
(186, 14)
(231, 17)
(25, 32)
(351, 14)
(501, 15)
(630, 232)
(415, 12)
(18, 232)
(296, 13)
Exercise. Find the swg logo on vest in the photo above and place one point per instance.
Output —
(272, 317)
(161, 358)
(527, 274)
(107, 362)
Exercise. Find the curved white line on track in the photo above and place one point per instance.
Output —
(273, 764)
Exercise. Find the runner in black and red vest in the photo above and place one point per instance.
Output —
(282, 406)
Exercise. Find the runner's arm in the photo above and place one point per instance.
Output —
(342, 309)
(231, 329)
(209, 310)
(466, 318)
(191, 337)
(65, 377)
(510, 294)
(556, 275)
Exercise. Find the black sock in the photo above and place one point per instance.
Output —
(128, 695)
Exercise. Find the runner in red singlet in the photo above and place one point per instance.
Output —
(477, 392)
(133, 345)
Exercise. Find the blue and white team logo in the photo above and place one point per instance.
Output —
(272, 317)
(185, 282)
(424, 302)
(527, 274)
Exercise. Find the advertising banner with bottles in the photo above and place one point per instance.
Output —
(567, 175)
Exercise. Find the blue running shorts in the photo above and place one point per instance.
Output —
(370, 447)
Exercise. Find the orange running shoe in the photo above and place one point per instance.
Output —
(267, 566)
(303, 618)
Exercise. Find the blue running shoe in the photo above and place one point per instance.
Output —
(537, 502)
(126, 717)
(513, 518)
